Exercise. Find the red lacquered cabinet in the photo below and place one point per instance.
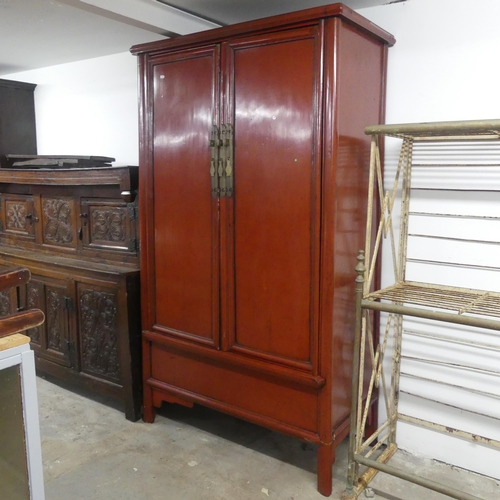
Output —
(253, 174)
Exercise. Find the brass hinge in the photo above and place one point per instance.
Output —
(221, 160)
(226, 171)
(68, 304)
(214, 145)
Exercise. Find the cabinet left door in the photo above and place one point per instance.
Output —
(51, 340)
(182, 247)
(17, 216)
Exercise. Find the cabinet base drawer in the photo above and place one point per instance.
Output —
(281, 405)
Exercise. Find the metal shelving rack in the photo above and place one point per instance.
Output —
(442, 303)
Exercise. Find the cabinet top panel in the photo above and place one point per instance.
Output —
(17, 85)
(284, 21)
(125, 177)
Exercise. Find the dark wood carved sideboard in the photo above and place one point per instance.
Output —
(76, 231)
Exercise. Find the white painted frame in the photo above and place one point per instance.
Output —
(24, 357)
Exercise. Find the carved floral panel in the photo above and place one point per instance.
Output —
(53, 319)
(33, 301)
(108, 225)
(4, 303)
(98, 333)
(16, 216)
(58, 221)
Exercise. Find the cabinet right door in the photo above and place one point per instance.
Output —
(98, 330)
(270, 234)
(106, 225)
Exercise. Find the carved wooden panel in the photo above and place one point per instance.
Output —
(34, 300)
(4, 303)
(8, 299)
(54, 311)
(108, 224)
(59, 221)
(98, 333)
(15, 219)
(51, 339)
(17, 215)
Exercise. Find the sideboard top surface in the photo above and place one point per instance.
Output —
(118, 175)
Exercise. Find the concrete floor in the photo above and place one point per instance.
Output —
(91, 452)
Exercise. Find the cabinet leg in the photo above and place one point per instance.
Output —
(149, 411)
(149, 414)
(326, 458)
(133, 410)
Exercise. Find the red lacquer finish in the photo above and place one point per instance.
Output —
(185, 215)
(250, 297)
(272, 269)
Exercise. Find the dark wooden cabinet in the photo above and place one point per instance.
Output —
(254, 169)
(75, 230)
(17, 119)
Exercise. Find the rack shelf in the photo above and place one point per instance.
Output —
(426, 149)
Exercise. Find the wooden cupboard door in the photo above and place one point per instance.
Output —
(106, 225)
(58, 226)
(271, 231)
(50, 340)
(17, 216)
(185, 227)
(97, 311)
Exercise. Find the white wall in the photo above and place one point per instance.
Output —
(444, 67)
(87, 107)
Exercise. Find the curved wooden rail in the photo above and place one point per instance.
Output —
(20, 322)
(14, 276)
(24, 320)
